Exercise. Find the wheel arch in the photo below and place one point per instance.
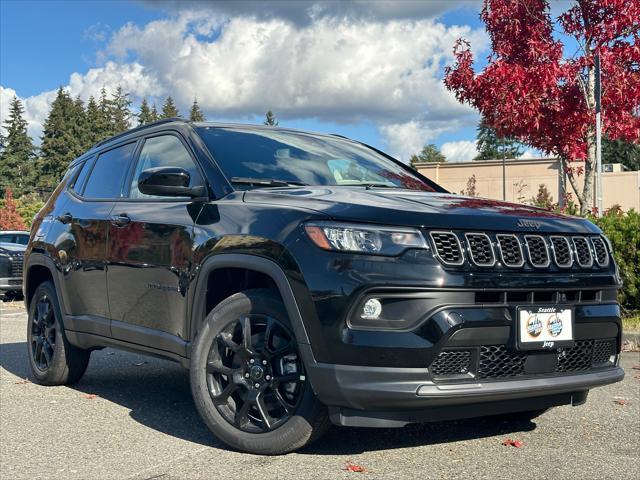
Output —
(251, 263)
(40, 268)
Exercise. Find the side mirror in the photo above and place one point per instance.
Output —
(168, 182)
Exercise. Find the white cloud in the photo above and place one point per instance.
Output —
(337, 68)
(131, 76)
(333, 69)
(304, 12)
(405, 139)
(35, 109)
(460, 151)
(531, 153)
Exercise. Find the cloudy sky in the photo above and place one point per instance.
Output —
(369, 70)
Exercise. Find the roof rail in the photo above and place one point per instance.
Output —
(141, 127)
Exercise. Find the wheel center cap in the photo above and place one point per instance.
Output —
(256, 373)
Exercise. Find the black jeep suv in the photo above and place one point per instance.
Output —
(308, 279)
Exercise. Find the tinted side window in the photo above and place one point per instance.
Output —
(108, 174)
(22, 239)
(78, 183)
(163, 151)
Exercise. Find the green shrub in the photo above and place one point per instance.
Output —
(28, 206)
(624, 232)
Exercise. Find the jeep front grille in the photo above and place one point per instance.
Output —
(448, 247)
(537, 251)
(583, 252)
(480, 249)
(16, 264)
(496, 362)
(510, 250)
(561, 251)
(600, 250)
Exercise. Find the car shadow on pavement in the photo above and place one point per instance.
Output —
(157, 395)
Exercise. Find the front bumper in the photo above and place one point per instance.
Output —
(11, 284)
(497, 378)
(388, 397)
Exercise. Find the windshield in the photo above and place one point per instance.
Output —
(300, 158)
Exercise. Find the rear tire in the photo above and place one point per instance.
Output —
(268, 410)
(53, 360)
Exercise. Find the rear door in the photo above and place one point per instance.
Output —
(83, 245)
(150, 252)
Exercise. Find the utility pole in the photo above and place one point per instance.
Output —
(598, 139)
(504, 171)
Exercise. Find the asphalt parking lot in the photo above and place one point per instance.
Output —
(133, 417)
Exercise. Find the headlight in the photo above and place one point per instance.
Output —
(372, 239)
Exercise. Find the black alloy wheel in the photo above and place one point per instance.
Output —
(254, 374)
(43, 333)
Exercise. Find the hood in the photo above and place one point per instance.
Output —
(420, 209)
(10, 248)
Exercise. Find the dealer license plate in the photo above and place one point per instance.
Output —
(544, 327)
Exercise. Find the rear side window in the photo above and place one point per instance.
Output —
(108, 174)
(82, 175)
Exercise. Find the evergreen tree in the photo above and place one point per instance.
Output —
(491, 146)
(619, 151)
(60, 141)
(154, 113)
(119, 112)
(429, 154)
(169, 109)
(196, 115)
(146, 114)
(104, 127)
(17, 149)
(93, 123)
(270, 119)
(79, 127)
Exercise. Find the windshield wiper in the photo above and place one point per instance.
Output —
(369, 186)
(266, 182)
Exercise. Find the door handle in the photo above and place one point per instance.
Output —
(65, 218)
(120, 220)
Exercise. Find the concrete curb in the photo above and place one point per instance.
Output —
(631, 337)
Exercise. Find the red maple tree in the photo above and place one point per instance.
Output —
(10, 219)
(537, 90)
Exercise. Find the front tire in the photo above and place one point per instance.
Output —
(248, 380)
(53, 360)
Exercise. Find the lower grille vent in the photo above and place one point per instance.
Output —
(495, 362)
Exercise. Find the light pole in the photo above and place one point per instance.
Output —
(598, 138)
(504, 172)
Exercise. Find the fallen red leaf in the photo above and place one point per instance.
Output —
(22, 381)
(90, 396)
(509, 442)
(352, 467)
(620, 401)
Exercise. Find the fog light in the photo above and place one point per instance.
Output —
(372, 309)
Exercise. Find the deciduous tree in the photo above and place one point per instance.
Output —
(530, 91)
(9, 217)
